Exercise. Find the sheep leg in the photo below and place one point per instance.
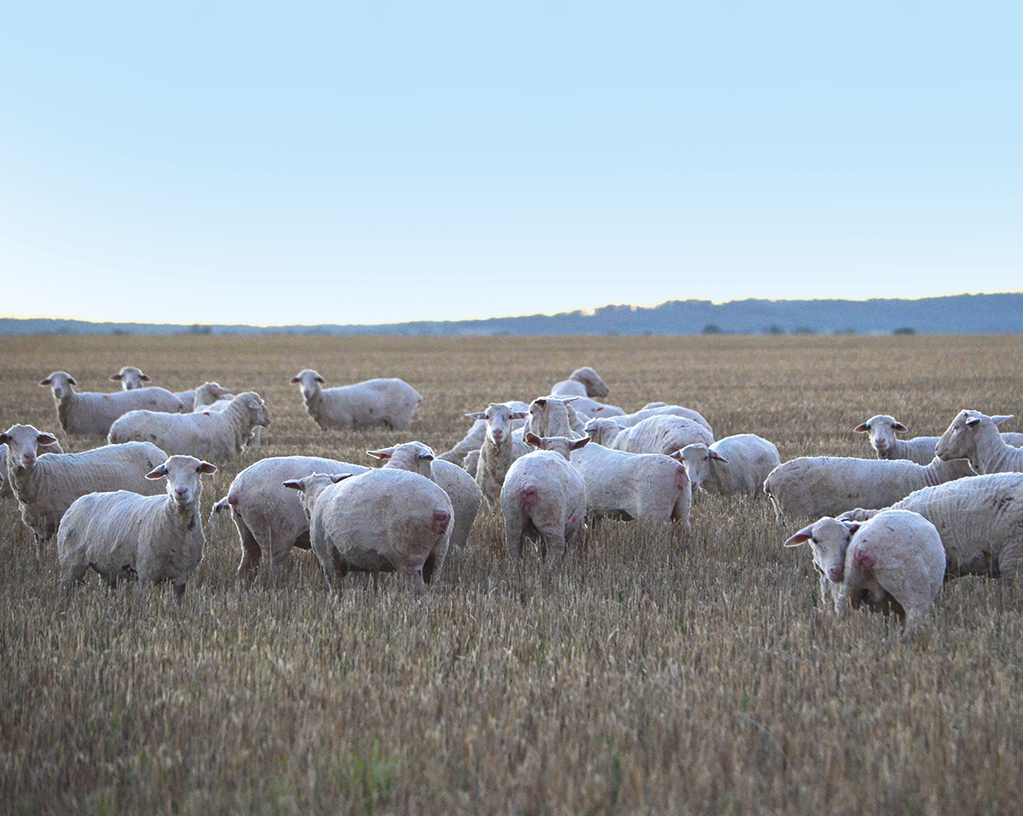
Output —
(556, 547)
(251, 554)
(414, 577)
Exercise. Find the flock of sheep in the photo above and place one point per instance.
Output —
(889, 531)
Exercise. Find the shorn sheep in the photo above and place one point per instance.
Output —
(473, 440)
(883, 429)
(895, 558)
(499, 449)
(817, 486)
(46, 485)
(5, 483)
(975, 436)
(656, 434)
(735, 464)
(125, 535)
(210, 435)
(91, 414)
(270, 518)
(131, 378)
(466, 496)
(980, 521)
(583, 382)
(386, 520)
(389, 402)
(543, 495)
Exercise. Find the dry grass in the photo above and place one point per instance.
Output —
(653, 674)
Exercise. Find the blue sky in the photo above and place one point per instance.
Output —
(334, 163)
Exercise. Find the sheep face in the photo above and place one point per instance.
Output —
(23, 443)
(412, 456)
(310, 382)
(182, 473)
(61, 383)
(882, 429)
(960, 439)
(829, 539)
(698, 458)
(499, 418)
(130, 378)
(602, 431)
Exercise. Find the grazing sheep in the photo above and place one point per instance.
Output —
(473, 440)
(131, 378)
(735, 464)
(91, 414)
(5, 483)
(389, 402)
(980, 521)
(665, 434)
(386, 520)
(499, 449)
(660, 409)
(829, 485)
(974, 436)
(896, 558)
(123, 534)
(46, 485)
(269, 517)
(646, 487)
(213, 436)
(544, 495)
(583, 382)
(466, 496)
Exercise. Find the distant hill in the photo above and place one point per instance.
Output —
(955, 314)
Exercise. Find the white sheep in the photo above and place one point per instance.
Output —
(591, 409)
(46, 485)
(212, 436)
(974, 436)
(830, 485)
(269, 517)
(499, 449)
(386, 520)
(390, 402)
(473, 440)
(896, 557)
(123, 534)
(544, 495)
(88, 413)
(660, 409)
(735, 464)
(553, 416)
(883, 429)
(980, 521)
(646, 487)
(5, 483)
(131, 378)
(211, 396)
(466, 496)
(664, 433)
(583, 382)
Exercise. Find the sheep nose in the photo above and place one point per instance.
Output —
(835, 574)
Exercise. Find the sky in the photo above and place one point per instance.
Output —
(346, 163)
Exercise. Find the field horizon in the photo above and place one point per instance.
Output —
(655, 672)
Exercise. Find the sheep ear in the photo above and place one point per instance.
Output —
(861, 428)
(801, 537)
(971, 421)
(541, 401)
(157, 473)
(207, 468)
(294, 484)
(4, 439)
(519, 415)
(320, 380)
(852, 526)
(145, 378)
(116, 377)
(477, 415)
(386, 453)
(533, 440)
(47, 381)
(998, 420)
(295, 380)
(900, 427)
(46, 439)
(713, 454)
(580, 443)
(677, 456)
(567, 400)
(340, 477)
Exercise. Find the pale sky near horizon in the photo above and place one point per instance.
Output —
(334, 163)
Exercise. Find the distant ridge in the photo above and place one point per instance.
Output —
(954, 314)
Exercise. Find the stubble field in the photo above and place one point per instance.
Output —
(654, 673)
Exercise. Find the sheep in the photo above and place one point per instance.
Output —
(896, 559)
(212, 396)
(974, 436)
(544, 495)
(131, 378)
(660, 409)
(552, 416)
(583, 382)
(473, 440)
(659, 434)
(212, 436)
(735, 464)
(882, 429)
(269, 518)
(499, 449)
(91, 414)
(466, 496)
(46, 485)
(829, 485)
(389, 402)
(123, 534)
(592, 409)
(647, 487)
(386, 520)
(6, 489)
(980, 521)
